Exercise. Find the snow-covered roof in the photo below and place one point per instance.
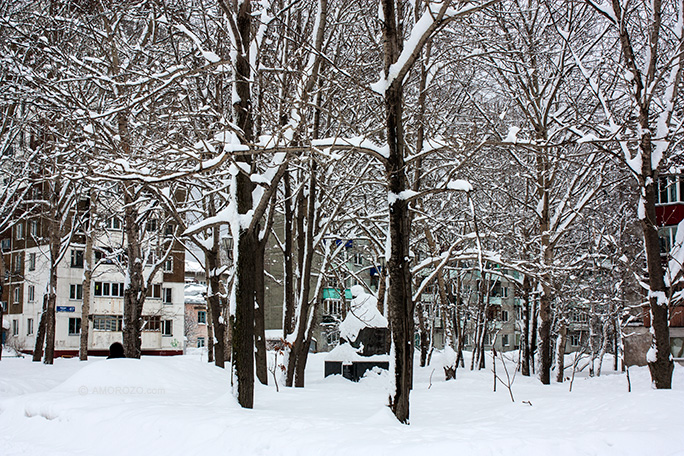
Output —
(193, 266)
(194, 293)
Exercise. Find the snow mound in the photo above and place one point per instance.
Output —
(133, 377)
(363, 313)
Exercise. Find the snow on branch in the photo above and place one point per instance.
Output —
(422, 31)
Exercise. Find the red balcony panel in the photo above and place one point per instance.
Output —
(676, 317)
(669, 214)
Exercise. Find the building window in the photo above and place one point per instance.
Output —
(18, 260)
(200, 342)
(202, 317)
(167, 295)
(504, 340)
(29, 326)
(76, 291)
(33, 228)
(169, 229)
(19, 231)
(504, 315)
(668, 236)
(578, 316)
(76, 258)
(154, 291)
(32, 262)
(107, 322)
(168, 265)
(15, 327)
(151, 323)
(151, 225)
(6, 244)
(109, 289)
(15, 295)
(333, 307)
(113, 223)
(668, 190)
(575, 340)
(31, 293)
(167, 328)
(358, 259)
(74, 326)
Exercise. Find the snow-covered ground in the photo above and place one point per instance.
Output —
(183, 406)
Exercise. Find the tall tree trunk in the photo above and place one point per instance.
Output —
(215, 308)
(525, 330)
(40, 334)
(246, 237)
(55, 244)
(260, 354)
(544, 195)
(560, 351)
(533, 333)
(645, 78)
(2, 310)
(134, 289)
(300, 349)
(659, 358)
(289, 295)
(210, 334)
(424, 336)
(88, 268)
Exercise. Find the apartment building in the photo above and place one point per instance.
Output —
(28, 266)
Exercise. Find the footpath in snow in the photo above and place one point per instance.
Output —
(183, 406)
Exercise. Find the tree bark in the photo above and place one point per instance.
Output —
(215, 308)
(560, 351)
(525, 331)
(260, 354)
(40, 334)
(88, 268)
(246, 237)
(134, 288)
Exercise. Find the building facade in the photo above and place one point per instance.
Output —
(28, 267)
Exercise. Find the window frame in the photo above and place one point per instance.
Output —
(106, 322)
(106, 289)
(167, 299)
(32, 261)
(111, 222)
(167, 328)
(75, 292)
(33, 228)
(74, 326)
(77, 258)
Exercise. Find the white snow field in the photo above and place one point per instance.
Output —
(183, 406)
